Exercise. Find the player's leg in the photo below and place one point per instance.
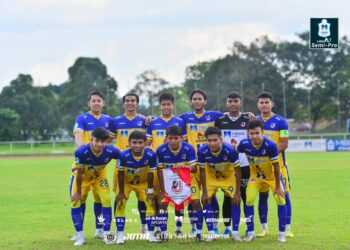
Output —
(150, 211)
(179, 215)
(195, 194)
(198, 215)
(245, 170)
(120, 214)
(226, 214)
(263, 211)
(162, 219)
(208, 211)
(282, 214)
(253, 188)
(76, 212)
(101, 187)
(97, 213)
(286, 180)
(156, 187)
(216, 210)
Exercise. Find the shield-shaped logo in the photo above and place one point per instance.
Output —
(324, 28)
(139, 123)
(273, 125)
(242, 124)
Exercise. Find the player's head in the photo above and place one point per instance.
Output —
(130, 102)
(173, 136)
(214, 140)
(255, 131)
(96, 102)
(99, 138)
(233, 102)
(198, 99)
(167, 104)
(265, 102)
(137, 141)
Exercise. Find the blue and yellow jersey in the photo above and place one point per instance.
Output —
(87, 122)
(91, 162)
(220, 165)
(260, 158)
(197, 124)
(275, 128)
(156, 130)
(168, 158)
(136, 169)
(124, 126)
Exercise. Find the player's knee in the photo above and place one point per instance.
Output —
(280, 200)
(196, 205)
(250, 200)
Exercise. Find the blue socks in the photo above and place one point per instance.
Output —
(263, 207)
(236, 217)
(282, 214)
(289, 209)
(209, 217)
(107, 216)
(142, 210)
(250, 218)
(98, 212)
(77, 218)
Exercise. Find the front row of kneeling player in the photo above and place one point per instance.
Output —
(216, 164)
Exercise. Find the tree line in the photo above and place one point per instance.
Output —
(308, 85)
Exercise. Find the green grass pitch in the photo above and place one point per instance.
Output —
(35, 207)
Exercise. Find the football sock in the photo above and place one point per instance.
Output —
(236, 216)
(107, 216)
(282, 214)
(97, 212)
(263, 207)
(77, 218)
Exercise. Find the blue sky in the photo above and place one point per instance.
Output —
(44, 37)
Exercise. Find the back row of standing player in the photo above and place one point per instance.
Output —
(233, 125)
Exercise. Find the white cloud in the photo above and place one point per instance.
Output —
(52, 71)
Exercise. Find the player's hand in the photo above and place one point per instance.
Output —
(234, 142)
(148, 120)
(251, 116)
(120, 197)
(279, 192)
(75, 198)
(161, 196)
(236, 198)
(205, 198)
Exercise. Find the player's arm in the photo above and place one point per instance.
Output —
(238, 175)
(121, 195)
(203, 179)
(150, 177)
(283, 144)
(278, 190)
(78, 138)
(77, 196)
(160, 167)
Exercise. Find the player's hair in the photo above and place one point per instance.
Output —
(255, 124)
(166, 96)
(233, 95)
(173, 130)
(131, 94)
(95, 93)
(212, 131)
(137, 135)
(266, 95)
(199, 91)
(100, 133)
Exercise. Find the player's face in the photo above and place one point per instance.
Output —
(130, 103)
(265, 105)
(255, 135)
(198, 102)
(233, 105)
(174, 141)
(97, 144)
(137, 145)
(167, 107)
(214, 142)
(96, 103)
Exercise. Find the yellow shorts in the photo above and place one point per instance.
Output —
(256, 185)
(228, 186)
(99, 185)
(140, 191)
(195, 187)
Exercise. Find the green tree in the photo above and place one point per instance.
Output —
(86, 75)
(9, 120)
